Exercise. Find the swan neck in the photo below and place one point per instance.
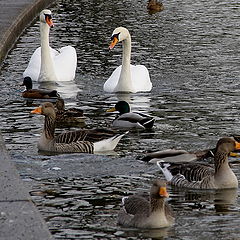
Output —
(125, 80)
(126, 52)
(47, 72)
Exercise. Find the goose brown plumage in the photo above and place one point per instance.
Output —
(139, 212)
(204, 176)
(88, 141)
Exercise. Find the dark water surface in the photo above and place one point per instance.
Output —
(192, 52)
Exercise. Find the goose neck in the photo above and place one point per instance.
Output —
(157, 204)
(220, 161)
(49, 127)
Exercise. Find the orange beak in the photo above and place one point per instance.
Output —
(163, 192)
(37, 110)
(237, 145)
(113, 43)
(49, 21)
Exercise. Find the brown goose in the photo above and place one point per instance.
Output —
(87, 141)
(141, 213)
(203, 176)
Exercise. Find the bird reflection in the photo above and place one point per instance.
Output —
(136, 101)
(65, 89)
(224, 199)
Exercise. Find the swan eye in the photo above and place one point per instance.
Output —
(48, 19)
(48, 16)
(115, 36)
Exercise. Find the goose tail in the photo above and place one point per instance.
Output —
(163, 166)
(108, 144)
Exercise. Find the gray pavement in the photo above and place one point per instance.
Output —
(19, 218)
(15, 15)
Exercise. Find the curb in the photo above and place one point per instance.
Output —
(28, 12)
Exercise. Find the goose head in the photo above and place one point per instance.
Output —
(121, 106)
(46, 17)
(158, 189)
(227, 145)
(27, 82)
(118, 35)
(46, 109)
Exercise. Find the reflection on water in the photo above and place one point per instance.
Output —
(191, 51)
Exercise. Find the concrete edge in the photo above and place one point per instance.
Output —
(19, 217)
(26, 16)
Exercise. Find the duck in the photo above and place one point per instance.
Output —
(154, 6)
(37, 93)
(128, 119)
(68, 117)
(139, 212)
(127, 77)
(178, 155)
(204, 176)
(84, 141)
(47, 64)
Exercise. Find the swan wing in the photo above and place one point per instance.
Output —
(65, 61)
(34, 65)
(33, 68)
(140, 78)
(112, 81)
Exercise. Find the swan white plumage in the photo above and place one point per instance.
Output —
(47, 64)
(127, 77)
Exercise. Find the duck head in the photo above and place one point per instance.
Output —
(121, 106)
(27, 82)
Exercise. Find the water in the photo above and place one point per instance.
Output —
(191, 51)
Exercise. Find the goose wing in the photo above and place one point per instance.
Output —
(91, 135)
(136, 205)
(190, 171)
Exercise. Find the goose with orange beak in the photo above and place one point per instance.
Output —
(204, 176)
(139, 212)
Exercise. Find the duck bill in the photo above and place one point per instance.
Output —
(49, 21)
(113, 43)
(112, 109)
(163, 192)
(37, 110)
(237, 146)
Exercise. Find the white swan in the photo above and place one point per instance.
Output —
(47, 64)
(127, 77)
